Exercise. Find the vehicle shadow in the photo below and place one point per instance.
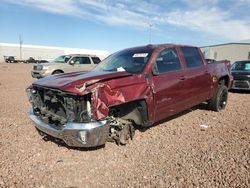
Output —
(202, 106)
(61, 143)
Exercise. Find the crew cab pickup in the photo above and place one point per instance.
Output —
(133, 87)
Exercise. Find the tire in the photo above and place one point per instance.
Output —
(219, 101)
(57, 72)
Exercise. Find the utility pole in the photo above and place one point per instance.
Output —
(150, 32)
(20, 42)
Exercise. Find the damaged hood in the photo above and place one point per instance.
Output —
(70, 81)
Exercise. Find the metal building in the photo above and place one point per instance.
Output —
(43, 52)
(230, 51)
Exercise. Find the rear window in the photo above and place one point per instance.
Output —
(96, 60)
(192, 57)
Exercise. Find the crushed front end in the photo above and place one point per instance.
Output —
(67, 116)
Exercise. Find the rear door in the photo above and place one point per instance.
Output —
(169, 85)
(198, 79)
(85, 64)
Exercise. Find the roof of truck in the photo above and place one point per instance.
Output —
(155, 46)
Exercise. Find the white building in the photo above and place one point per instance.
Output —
(43, 52)
(230, 51)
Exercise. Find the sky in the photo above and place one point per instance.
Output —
(117, 24)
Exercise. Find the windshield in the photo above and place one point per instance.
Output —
(132, 61)
(62, 59)
(241, 66)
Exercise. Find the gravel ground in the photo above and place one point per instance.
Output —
(176, 153)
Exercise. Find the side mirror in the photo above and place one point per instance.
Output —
(71, 62)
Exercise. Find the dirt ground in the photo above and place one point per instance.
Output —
(176, 153)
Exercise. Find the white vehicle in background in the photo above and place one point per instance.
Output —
(65, 64)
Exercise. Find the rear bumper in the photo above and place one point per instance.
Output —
(89, 134)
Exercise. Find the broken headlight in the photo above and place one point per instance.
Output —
(86, 114)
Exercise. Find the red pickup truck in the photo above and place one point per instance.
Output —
(133, 87)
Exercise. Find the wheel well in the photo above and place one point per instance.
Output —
(224, 81)
(135, 111)
(58, 70)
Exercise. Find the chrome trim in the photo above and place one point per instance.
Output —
(35, 74)
(96, 132)
(241, 88)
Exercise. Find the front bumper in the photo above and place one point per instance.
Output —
(35, 74)
(40, 73)
(89, 134)
(241, 85)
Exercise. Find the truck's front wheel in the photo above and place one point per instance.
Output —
(219, 101)
(57, 72)
(121, 131)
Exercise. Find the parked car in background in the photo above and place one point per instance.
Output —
(65, 64)
(30, 60)
(135, 87)
(10, 59)
(241, 74)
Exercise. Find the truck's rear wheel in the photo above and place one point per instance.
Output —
(219, 101)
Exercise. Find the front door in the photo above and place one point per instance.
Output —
(80, 64)
(168, 84)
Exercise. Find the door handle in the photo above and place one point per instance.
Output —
(182, 78)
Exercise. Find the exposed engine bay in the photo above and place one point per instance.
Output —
(59, 107)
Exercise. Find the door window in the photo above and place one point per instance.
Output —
(76, 60)
(192, 57)
(84, 60)
(80, 60)
(167, 61)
